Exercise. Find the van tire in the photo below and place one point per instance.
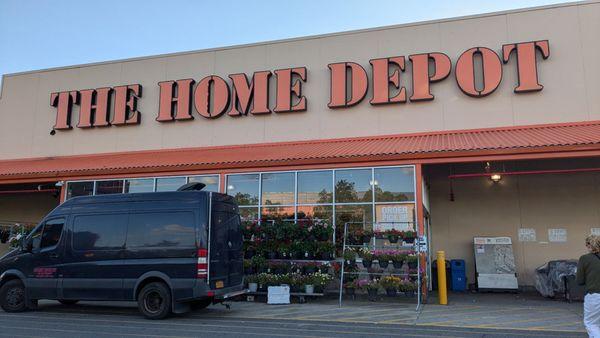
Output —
(154, 301)
(68, 301)
(13, 297)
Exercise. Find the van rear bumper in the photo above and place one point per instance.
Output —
(201, 290)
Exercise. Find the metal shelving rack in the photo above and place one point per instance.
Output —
(416, 247)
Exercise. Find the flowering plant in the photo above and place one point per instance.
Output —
(407, 286)
(367, 284)
(390, 282)
(319, 279)
(365, 254)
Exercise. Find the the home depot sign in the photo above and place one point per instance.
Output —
(214, 96)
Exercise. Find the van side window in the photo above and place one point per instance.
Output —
(164, 229)
(52, 232)
(99, 232)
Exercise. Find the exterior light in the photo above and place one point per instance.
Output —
(374, 182)
(496, 178)
(230, 187)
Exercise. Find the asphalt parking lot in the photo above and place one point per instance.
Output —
(242, 320)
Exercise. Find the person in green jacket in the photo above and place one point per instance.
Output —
(588, 274)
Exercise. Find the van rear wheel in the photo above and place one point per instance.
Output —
(12, 296)
(154, 301)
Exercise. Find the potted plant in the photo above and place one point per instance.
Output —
(398, 259)
(350, 258)
(325, 250)
(248, 267)
(412, 261)
(367, 257)
(249, 250)
(278, 268)
(390, 284)
(393, 235)
(383, 259)
(322, 231)
(259, 263)
(320, 280)
(408, 288)
(296, 282)
(285, 251)
(409, 236)
(252, 283)
(323, 268)
(371, 286)
(350, 288)
(309, 286)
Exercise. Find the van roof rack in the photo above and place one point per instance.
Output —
(192, 186)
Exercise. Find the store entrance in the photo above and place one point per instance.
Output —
(22, 206)
(545, 207)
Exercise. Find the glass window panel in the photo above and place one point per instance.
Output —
(353, 186)
(169, 183)
(75, 189)
(139, 185)
(249, 214)
(315, 187)
(360, 214)
(164, 229)
(212, 182)
(244, 188)
(279, 213)
(394, 184)
(99, 232)
(277, 188)
(52, 233)
(109, 187)
(316, 212)
(400, 216)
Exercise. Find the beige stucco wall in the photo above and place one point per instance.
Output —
(569, 77)
(542, 202)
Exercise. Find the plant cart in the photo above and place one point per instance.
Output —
(397, 254)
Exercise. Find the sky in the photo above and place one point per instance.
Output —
(39, 34)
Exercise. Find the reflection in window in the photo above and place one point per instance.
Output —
(316, 212)
(278, 213)
(212, 182)
(75, 189)
(359, 214)
(315, 187)
(394, 184)
(109, 187)
(277, 188)
(244, 188)
(249, 213)
(52, 233)
(164, 229)
(353, 186)
(99, 232)
(139, 185)
(169, 183)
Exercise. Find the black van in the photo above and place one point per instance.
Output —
(168, 251)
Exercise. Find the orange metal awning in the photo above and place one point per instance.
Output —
(418, 147)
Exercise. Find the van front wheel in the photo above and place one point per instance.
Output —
(154, 301)
(12, 296)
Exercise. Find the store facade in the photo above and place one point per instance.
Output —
(405, 122)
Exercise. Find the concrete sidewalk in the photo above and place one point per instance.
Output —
(495, 311)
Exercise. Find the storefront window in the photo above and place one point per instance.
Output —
(400, 216)
(139, 185)
(109, 187)
(279, 213)
(212, 182)
(352, 186)
(315, 187)
(394, 184)
(278, 189)
(169, 183)
(355, 214)
(75, 189)
(244, 188)
(249, 213)
(316, 212)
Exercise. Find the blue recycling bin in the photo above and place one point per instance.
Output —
(458, 275)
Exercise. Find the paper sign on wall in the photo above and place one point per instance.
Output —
(527, 235)
(595, 231)
(557, 235)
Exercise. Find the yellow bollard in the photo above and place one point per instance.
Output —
(441, 274)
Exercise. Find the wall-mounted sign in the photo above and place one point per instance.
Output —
(477, 71)
(527, 235)
(557, 235)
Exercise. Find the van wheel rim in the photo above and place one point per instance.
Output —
(153, 302)
(15, 297)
